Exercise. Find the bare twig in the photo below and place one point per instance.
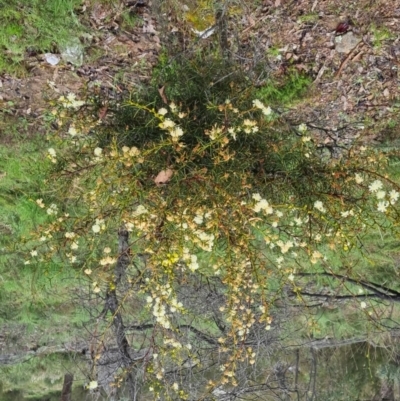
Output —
(349, 56)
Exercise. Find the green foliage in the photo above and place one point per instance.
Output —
(129, 20)
(285, 91)
(380, 34)
(194, 84)
(199, 88)
(274, 51)
(309, 18)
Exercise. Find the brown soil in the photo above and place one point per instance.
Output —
(355, 87)
(116, 59)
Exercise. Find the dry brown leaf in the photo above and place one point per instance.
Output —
(103, 112)
(161, 91)
(163, 177)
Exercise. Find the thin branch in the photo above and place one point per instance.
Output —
(377, 290)
(205, 337)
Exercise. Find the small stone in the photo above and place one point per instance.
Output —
(52, 59)
(346, 43)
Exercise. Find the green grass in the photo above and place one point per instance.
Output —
(37, 377)
(129, 20)
(27, 296)
(35, 26)
(286, 91)
(36, 306)
(45, 26)
(22, 170)
(309, 18)
(380, 35)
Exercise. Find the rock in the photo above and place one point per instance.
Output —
(72, 52)
(346, 43)
(52, 59)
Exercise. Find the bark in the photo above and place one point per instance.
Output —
(67, 387)
(112, 305)
(221, 19)
(296, 378)
(313, 374)
(375, 290)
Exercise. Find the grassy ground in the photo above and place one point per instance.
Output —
(25, 28)
(37, 376)
(36, 309)
(25, 31)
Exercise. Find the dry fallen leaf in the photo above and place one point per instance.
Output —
(161, 91)
(163, 176)
(103, 112)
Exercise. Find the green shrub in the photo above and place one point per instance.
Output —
(290, 88)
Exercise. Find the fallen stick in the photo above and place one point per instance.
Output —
(344, 62)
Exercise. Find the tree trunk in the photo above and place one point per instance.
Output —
(113, 306)
(67, 387)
